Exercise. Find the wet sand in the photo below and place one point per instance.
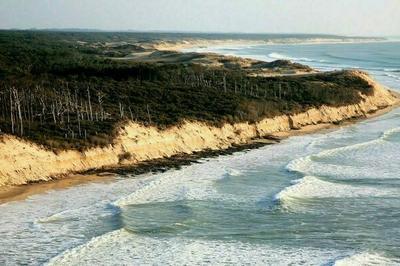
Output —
(16, 193)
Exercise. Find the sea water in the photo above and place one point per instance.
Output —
(321, 199)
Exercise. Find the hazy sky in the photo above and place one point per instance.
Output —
(348, 17)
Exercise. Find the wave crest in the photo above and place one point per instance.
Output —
(279, 56)
(130, 249)
(312, 187)
(308, 165)
(365, 259)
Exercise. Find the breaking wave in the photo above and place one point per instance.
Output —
(279, 56)
(365, 259)
(392, 76)
(313, 187)
(354, 161)
(124, 248)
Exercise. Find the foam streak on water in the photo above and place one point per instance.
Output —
(131, 249)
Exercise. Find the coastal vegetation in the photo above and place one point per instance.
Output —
(73, 90)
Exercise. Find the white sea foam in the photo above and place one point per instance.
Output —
(390, 132)
(365, 259)
(286, 57)
(353, 161)
(313, 187)
(392, 76)
(234, 172)
(391, 70)
(70, 214)
(193, 183)
(124, 248)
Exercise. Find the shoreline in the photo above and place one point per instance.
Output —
(175, 162)
(108, 174)
(22, 192)
(183, 45)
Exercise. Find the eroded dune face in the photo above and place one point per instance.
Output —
(22, 162)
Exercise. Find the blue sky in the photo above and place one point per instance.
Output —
(346, 17)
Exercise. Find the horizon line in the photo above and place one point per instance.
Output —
(94, 30)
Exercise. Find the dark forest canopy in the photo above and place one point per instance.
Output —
(62, 94)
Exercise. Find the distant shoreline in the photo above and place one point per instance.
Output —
(192, 44)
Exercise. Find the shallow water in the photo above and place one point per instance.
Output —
(320, 199)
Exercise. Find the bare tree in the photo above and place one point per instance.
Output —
(12, 112)
(90, 104)
(148, 113)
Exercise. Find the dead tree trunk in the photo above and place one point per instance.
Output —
(148, 113)
(11, 112)
(90, 105)
(224, 81)
(121, 110)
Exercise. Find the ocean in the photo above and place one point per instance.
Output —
(329, 198)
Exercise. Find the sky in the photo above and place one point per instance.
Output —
(343, 17)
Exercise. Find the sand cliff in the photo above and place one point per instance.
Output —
(23, 162)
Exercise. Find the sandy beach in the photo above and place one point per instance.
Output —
(16, 193)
